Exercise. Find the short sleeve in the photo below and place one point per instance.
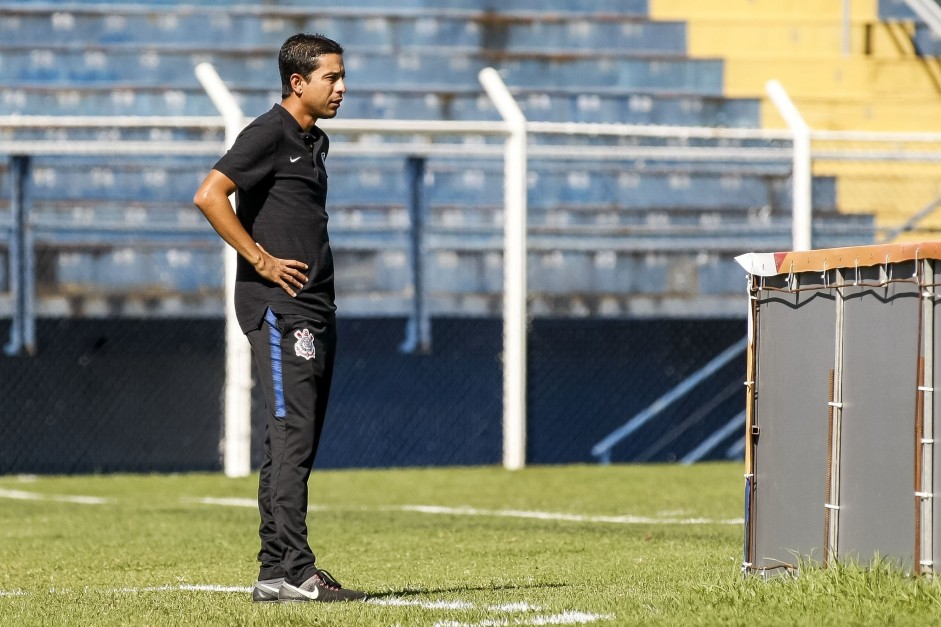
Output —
(250, 159)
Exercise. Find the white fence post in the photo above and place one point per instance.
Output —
(802, 230)
(514, 272)
(237, 439)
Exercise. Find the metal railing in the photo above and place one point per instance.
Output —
(602, 450)
(929, 12)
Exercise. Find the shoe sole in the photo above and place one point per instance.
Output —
(260, 595)
(320, 600)
(264, 599)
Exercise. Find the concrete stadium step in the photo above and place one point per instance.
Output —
(851, 78)
(832, 112)
(744, 36)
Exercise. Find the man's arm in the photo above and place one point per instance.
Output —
(212, 198)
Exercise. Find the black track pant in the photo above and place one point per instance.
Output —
(294, 360)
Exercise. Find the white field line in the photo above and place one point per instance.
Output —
(508, 513)
(508, 608)
(565, 618)
(513, 513)
(428, 605)
(22, 495)
(190, 588)
(183, 587)
(626, 519)
(230, 502)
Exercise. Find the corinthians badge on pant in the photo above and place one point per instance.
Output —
(304, 346)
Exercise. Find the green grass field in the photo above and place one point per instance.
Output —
(449, 547)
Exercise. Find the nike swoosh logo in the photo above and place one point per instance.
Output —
(293, 159)
(310, 595)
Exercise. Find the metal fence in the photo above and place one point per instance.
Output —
(112, 302)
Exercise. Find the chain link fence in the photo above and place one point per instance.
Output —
(894, 177)
(632, 291)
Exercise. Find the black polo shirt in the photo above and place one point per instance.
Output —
(281, 202)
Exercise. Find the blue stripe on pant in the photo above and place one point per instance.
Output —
(277, 368)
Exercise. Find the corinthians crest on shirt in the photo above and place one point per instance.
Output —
(304, 346)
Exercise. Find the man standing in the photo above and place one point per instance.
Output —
(284, 298)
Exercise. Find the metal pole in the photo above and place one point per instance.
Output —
(832, 532)
(801, 232)
(22, 283)
(237, 438)
(514, 272)
(418, 327)
(29, 259)
(926, 559)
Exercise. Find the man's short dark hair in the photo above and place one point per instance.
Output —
(301, 54)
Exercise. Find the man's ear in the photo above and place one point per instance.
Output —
(296, 87)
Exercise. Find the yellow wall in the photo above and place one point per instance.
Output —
(870, 80)
(864, 78)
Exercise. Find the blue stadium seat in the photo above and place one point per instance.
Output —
(187, 270)
(387, 29)
(625, 7)
(127, 180)
(719, 275)
(242, 69)
(650, 75)
(462, 185)
(559, 271)
(647, 274)
(374, 269)
(631, 37)
(464, 272)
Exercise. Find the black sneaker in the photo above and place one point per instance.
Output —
(320, 587)
(266, 590)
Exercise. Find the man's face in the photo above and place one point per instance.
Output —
(324, 88)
